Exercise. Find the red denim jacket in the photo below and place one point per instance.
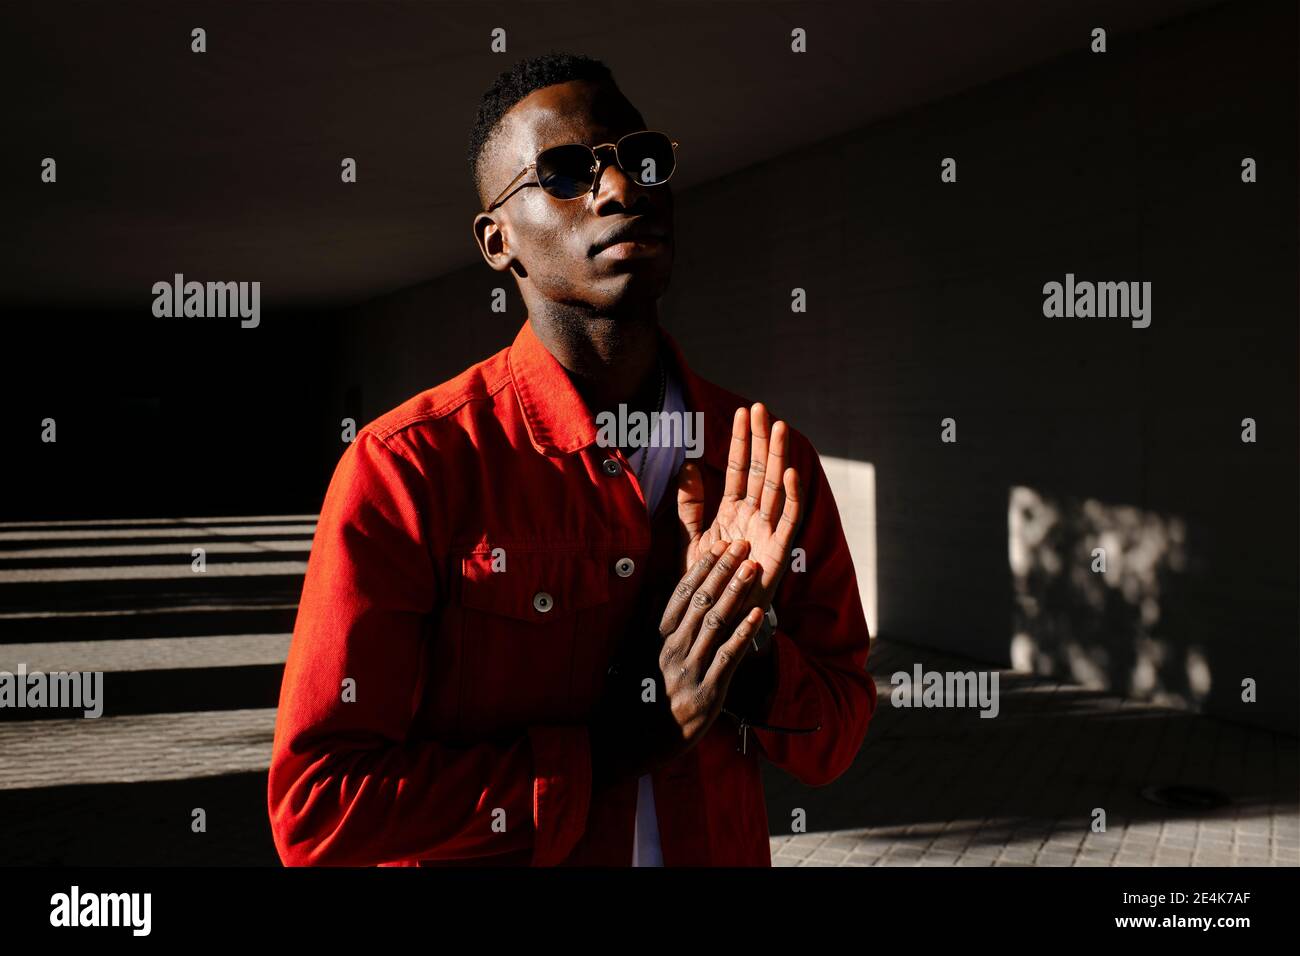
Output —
(467, 591)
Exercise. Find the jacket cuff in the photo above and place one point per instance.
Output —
(561, 790)
(789, 707)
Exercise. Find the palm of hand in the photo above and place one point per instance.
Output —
(738, 520)
(760, 501)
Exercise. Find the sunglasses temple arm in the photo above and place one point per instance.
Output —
(505, 192)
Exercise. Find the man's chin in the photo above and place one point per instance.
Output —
(622, 292)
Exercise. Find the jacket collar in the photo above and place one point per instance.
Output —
(559, 421)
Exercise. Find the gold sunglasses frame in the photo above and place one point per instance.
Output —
(595, 154)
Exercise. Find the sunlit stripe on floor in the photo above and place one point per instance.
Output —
(243, 519)
(141, 611)
(153, 572)
(161, 522)
(134, 550)
(180, 531)
(134, 749)
(147, 654)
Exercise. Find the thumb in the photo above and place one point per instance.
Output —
(690, 500)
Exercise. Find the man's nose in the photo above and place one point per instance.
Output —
(614, 185)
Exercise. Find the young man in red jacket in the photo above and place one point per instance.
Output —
(527, 639)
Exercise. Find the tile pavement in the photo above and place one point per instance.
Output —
(943, 787)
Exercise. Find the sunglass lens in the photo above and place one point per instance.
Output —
(647, 157)
(566, 172)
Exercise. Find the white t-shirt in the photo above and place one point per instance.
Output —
(655, 467)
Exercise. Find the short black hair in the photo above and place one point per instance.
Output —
(529, 74)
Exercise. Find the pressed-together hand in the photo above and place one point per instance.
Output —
(701, 650)
(760, 499)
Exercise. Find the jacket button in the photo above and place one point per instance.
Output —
(624, 567)
(543, 602)
(611, 466)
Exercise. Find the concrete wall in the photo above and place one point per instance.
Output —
(925, 302)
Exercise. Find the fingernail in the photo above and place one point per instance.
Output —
(746, 571)
(738, 547)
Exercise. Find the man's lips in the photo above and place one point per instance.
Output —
(628, 239)
(630, 249)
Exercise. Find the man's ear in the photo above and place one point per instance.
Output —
(493, 242)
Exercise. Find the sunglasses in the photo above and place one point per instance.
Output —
(570, 171)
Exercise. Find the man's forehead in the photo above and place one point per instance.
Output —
(574, 112)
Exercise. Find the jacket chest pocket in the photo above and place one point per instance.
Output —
(531, 626)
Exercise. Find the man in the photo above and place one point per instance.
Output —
(520, 642)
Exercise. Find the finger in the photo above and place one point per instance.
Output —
(770, 507)
(786, 529)
(758, 429)
(686, 588)
(792, 513)
(738, 456)
(690, 501)
(713, 588)
(716, 624)
(729, 655)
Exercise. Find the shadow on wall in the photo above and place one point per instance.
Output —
(1120, 600)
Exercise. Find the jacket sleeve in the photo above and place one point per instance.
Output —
(349, 783)
(821, 643)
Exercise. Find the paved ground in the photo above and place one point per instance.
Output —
(193, 663)
(945, 787)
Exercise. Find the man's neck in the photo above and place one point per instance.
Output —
(611, 361)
